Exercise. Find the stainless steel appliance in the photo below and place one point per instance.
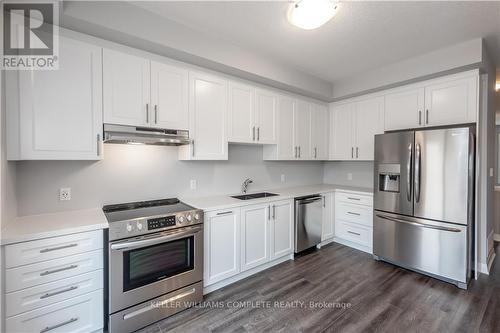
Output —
(308, 221)
(424, 201)
(155, 264)
(145, 135)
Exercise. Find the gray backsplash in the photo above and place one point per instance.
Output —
(337, 173)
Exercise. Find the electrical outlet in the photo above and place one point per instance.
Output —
(283, 178)
(349, 176)
(65, 194)
(192, 184)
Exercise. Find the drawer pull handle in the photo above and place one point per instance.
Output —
(49, 249)
(351, 213)
(351, 198)
(225, 213)
(58, 270)
(47, 295)
(53, 327)
(354, 233)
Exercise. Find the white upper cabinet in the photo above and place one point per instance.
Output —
(57, 114)
(284, 149)
(342, 132)
(207, 118)
(126, 89)
(255, 223)
(369, 118)
(353, 127)
(266, 111)
(169, 97)
(404, 109)
(302, 127)
(451, 101)
(319, 132)
(241, 115)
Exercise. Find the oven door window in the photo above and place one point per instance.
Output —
(146, 265)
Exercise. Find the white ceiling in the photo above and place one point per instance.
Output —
(363, 35)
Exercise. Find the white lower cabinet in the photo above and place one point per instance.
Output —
(222, 245)
(328, 216)
(55, 284)
(255, 222)
(282, 229)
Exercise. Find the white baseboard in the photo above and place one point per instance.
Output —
(325, 242)
(233, 279)
(353, 245)
(496, 237)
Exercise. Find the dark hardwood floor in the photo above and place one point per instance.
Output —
(377, 297)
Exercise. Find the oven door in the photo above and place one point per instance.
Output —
(146, 267)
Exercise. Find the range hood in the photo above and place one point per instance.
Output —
(145, 135)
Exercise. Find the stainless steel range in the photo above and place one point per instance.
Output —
(155, 261)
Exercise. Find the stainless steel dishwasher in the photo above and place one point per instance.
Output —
(308, 221)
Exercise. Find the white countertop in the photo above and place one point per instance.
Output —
(33, 227)
(216, 202)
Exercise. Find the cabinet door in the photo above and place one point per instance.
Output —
(302, 125)
(319, 132)
(126, 89)
(241, 114)
(286, 107)
(60, 111)
(453, 101)
(255, 222)
(169, 97)
(404, 109)
(328, 216)
(282, 229)
(341, 127)
(266, 117)
(207, 117)
(369, 121)
(222, 245)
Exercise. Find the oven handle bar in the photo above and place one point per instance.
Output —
(189, 231)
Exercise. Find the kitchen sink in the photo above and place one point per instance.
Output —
(254, 196)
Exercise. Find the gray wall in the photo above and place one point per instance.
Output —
(131, 173)
(337, 173)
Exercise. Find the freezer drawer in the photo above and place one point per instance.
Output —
(436, 248)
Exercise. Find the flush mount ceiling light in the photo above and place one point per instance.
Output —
(311, 14)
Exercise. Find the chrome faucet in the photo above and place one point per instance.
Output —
(245, 184)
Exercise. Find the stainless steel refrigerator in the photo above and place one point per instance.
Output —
(424, 201)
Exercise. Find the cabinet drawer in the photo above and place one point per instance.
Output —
(353, 232)
(354, 213)
(366, 200)
(52, 270)
(35, 297)
(79, 314)
(52, 248)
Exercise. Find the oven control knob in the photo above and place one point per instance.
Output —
(189, 218)
(196, 216)
(181, 219)
(129, 227)
(139, 226)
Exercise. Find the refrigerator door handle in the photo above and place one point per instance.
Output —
(417, 172)
(408, 173)
(418, 224)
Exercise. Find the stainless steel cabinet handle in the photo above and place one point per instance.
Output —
(98, 145)
(47, 295)
(352, 152)
(408, 173)
(350, 198)
(58, 270)
(156, 114)
(357, 152)
(417, 173)
(315, 152)
(420, 117)
(253, 135)
(299, 151)
(352, 213)
(324, 201)
(49, 249)
(417, 224)
(147, 113)
(225, 213)
(258, 133)
(269, 213)
(193, 147)
(427, 116)
(354, 233)
(53, 327)
(274, 212)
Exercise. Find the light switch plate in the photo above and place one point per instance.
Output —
(65, 194)
(349, 176)
(283, 178)
(193, 184)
